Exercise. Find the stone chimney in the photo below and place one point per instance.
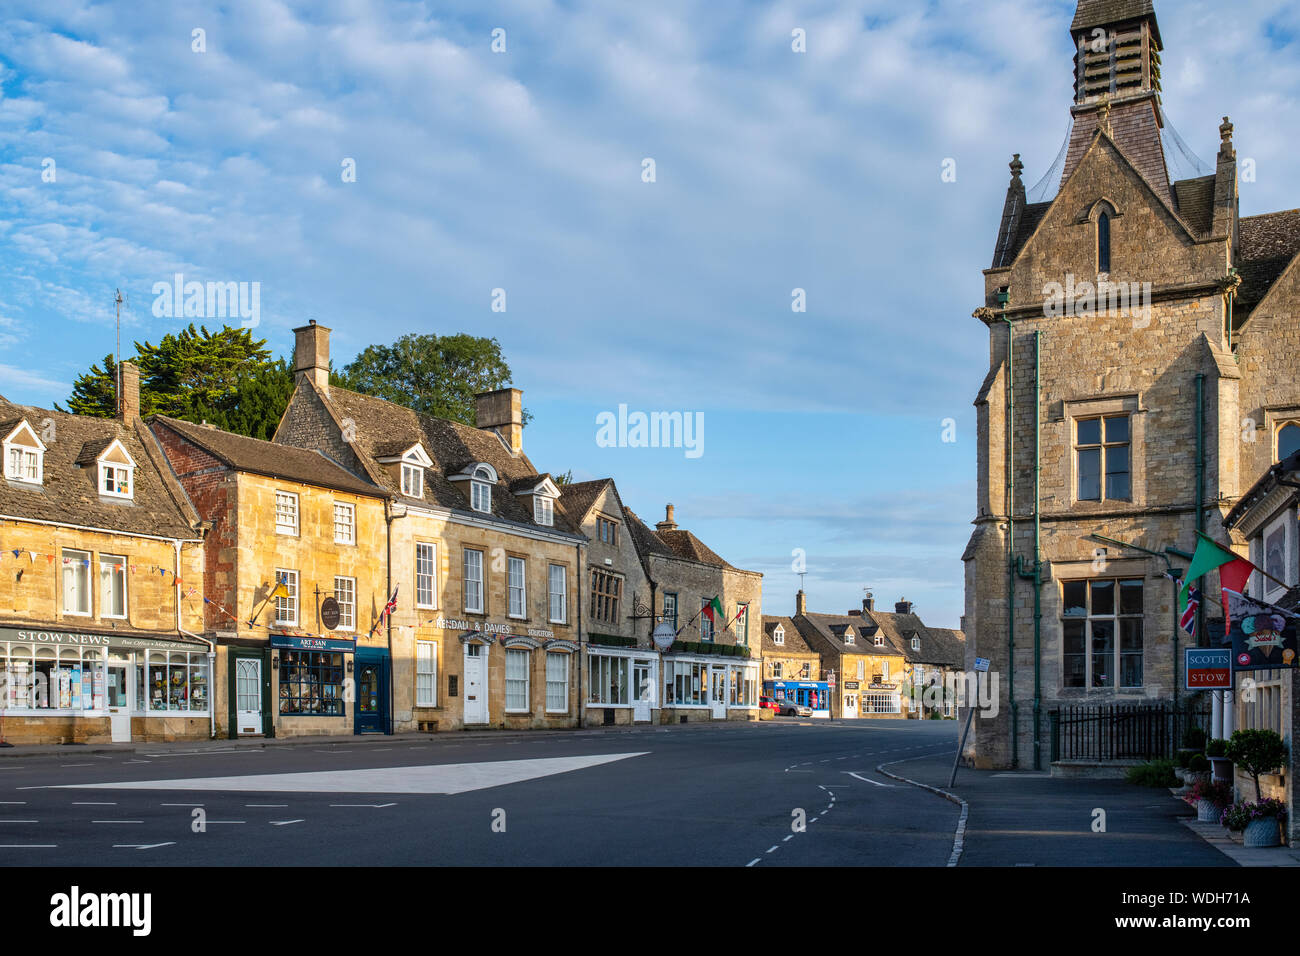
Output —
(668, 524)
(128, 393)
(868, 603)
(502, 411)
(903, 607)
(800, 602)
(311, 356)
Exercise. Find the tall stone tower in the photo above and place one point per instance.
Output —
(1142, 368)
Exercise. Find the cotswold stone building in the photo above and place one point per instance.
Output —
(1141, 373)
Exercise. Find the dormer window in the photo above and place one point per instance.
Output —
(412, 481)
(880, 640)
(115, 476)
(24, 455)
(848, 636)
(410, 465)
(480, 489)
(543, 510)
(778, 636)
(916, 643)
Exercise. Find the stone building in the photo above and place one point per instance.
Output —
(933, 657)
(792, 669)
(1138, 370)
(864, 664)
(485, 565)
(620, 662)
(100, 582)
(1267, 517)
(711, 671)
(287, 529)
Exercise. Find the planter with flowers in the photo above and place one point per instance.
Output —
(1264, 824)
(1209, 799)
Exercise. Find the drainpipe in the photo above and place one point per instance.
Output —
(577, 555)
(1200, 498)
(1003, 299)
(212, 649)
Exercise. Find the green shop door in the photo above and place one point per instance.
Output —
(371, 674)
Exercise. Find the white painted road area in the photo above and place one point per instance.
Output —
(439, 778)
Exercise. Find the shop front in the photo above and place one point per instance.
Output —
(815, 695)
(620, 685)
(314, 681)
(60, 686)
(706, 688)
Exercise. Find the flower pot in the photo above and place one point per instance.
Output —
(1234, 836)
(1262, 832)
(1190, 777)
(1208, 812)
(1221, 768)
(1181, 773)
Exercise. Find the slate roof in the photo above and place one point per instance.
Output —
(267, 458)
(1030, 217)
(1094, 13)
(1266, 245)
(685, 545)
(578, 497)
(382, 426)
(938, 645)
(69, 492)
(647, 541)
(828, 630)
(794, 641)
(1194, 202)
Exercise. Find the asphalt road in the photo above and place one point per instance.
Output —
(713, 795)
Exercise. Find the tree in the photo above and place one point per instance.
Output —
(223, 377)
(1257, 752)
(564, 479)
(439, 375)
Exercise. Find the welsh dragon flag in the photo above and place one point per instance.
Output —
(1234, 572)
(714, 610)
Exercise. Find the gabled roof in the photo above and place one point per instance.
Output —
(828, 630)
(685, 545)
(91, 451)
(267, 458)
(69, 492)
(578, 498)
(938, 645)
(646, 541)
(380, 424)
(1266, 245)
(794, 641)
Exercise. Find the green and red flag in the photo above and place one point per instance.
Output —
(714, 609)
(1234, 572)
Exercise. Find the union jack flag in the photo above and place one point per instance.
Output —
(1188, 621)
(389, 608)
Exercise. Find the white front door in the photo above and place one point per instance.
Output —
(476, 702)
(248, 695)
(850, 705)
(643, 686)
(718, 692)
(119, 696)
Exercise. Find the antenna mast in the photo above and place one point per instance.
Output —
(117, 353)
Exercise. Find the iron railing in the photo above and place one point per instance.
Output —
(1124, 731)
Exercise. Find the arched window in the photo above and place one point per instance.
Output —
(1288, 440)
(1103, 242)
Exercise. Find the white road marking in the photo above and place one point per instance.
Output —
(14, 803)
(76, 765)
(773, 849)
(788, 839)
(283, 823)
(197, 753)
(753, 861)
(210, 822)
(140, 846)
(180, 804)
(373, 806)
(437, 778)
(117, 821)
(874, 783)
(89, 803)
(20, 821)
(266, 804)
(27, 846)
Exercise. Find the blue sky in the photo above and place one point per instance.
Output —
(522, 171)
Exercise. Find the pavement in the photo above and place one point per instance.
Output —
(776, 793)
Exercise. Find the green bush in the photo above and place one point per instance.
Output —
(1183, 758)
(1218, 747)
(1198, 764)
(1194, 738)
(1156, 773)
(1256, 752)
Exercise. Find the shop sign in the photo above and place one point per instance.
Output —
(295, 642)
(850, 685)
(71, 638)
(664, 635)
(1209, 668)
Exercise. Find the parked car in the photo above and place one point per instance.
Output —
(792, 708)
(769, 703)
